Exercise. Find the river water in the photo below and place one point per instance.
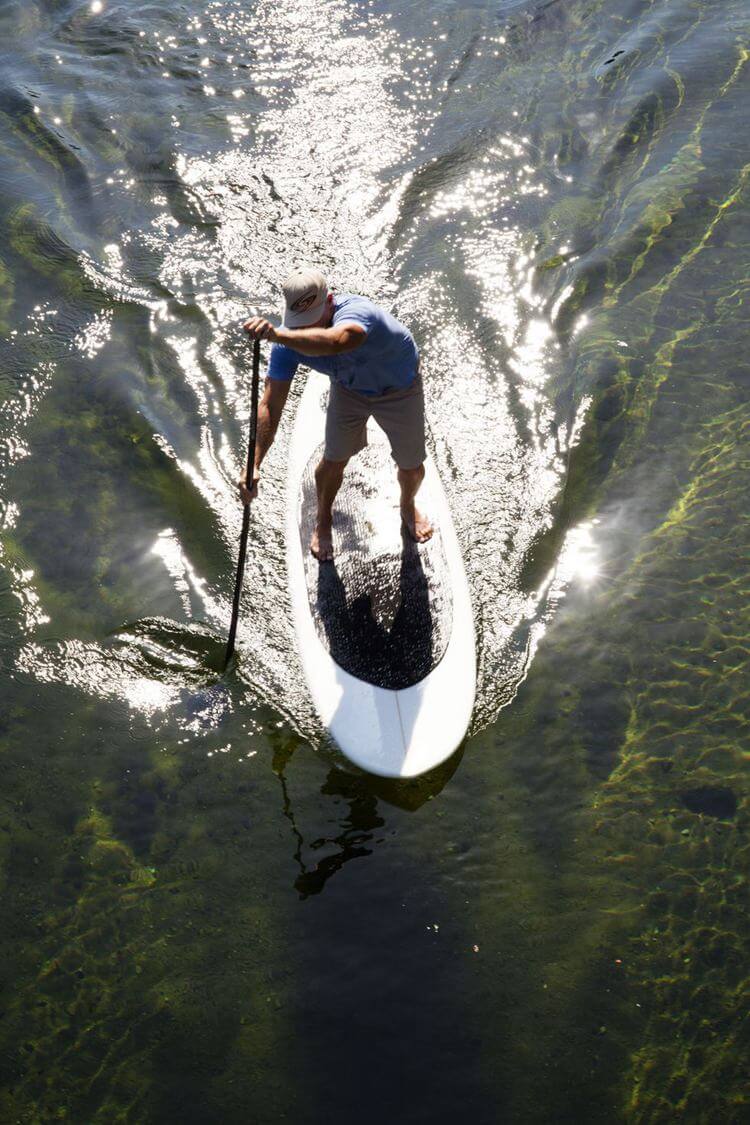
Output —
(208, 917)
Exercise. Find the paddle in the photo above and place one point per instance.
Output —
(246, 507)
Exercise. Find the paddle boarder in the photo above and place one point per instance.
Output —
(373, 365)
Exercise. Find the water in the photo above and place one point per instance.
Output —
(208, 916)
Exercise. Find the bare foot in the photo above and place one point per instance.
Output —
(418, 526)
(321, 543)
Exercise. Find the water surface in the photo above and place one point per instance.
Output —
(208, 915)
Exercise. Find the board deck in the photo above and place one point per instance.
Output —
(382, 608)
(385, 630)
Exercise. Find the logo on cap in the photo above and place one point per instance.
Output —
(305, 301)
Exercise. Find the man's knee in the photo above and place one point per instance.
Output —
(326, 463)
(411, 474)
(327, 468)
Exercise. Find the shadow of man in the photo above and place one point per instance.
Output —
(356, 621)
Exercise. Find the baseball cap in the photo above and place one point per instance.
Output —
(305, 293)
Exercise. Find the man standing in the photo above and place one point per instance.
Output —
(373, 364)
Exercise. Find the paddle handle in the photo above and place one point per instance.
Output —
(246, 507)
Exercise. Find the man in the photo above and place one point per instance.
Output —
(373, 364)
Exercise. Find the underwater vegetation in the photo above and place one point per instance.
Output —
(206, 917)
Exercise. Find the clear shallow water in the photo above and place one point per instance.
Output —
(554, 198)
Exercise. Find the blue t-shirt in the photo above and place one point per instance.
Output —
(386, 361)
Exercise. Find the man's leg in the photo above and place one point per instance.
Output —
(346, 434)
(401, 416)
(328, 478)
(417, 524)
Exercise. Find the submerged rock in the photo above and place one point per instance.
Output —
(713, 800)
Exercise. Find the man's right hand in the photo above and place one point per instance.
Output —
(249, 494)
(258, 328)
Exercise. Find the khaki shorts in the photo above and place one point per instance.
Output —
(400, 414)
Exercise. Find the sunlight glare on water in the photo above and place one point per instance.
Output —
(552, 196)
(347, 167)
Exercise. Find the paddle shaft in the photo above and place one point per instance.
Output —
(246, 507)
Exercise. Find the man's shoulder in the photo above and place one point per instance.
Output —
(354, 302)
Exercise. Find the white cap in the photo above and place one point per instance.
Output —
(305, 294)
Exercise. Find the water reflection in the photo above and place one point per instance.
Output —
(356, 829)
(353, 841)
(354, 833)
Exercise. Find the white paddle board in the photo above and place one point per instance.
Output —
(385, 630)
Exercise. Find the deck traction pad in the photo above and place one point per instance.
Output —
(383, 607)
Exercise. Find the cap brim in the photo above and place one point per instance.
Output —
(306, 318)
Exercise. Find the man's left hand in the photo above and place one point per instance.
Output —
(258, 328)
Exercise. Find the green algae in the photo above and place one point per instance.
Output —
(162, 965)
(133, 972)
(634, 893)
(633, 881)
(45, 255)
(6, 298)
(689, 728)
(85, 577)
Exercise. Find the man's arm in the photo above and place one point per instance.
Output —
(310, 341)
(275, 393)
